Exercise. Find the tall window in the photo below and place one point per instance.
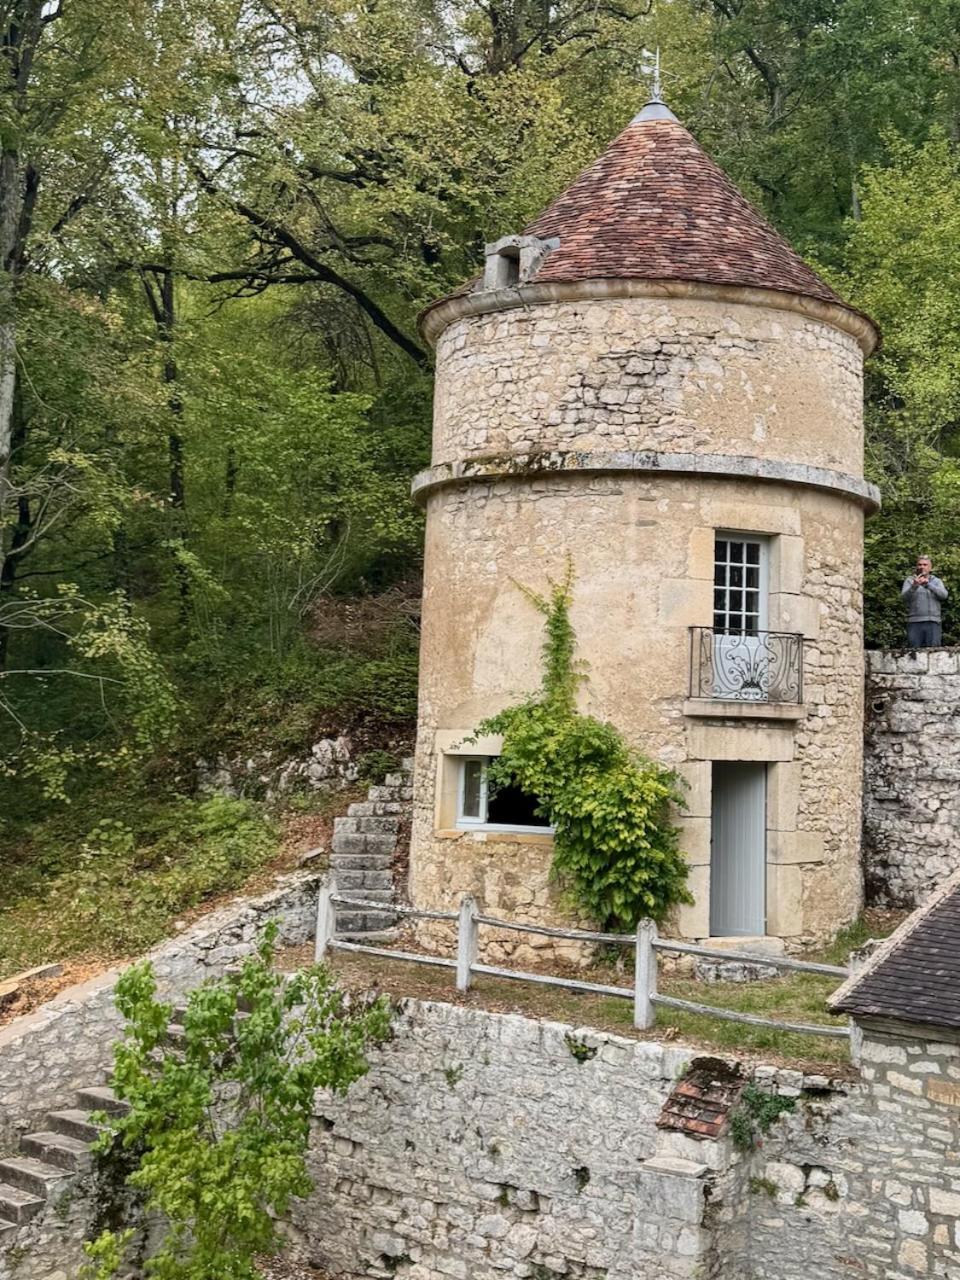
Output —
(483, 803)
(739, 584)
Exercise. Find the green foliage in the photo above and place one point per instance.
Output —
(579, 1049)
(223, 1119)
(117, 890)
(763, 1186)
(616, 848)
(754, 1114)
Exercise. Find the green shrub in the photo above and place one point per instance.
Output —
(220, 1122)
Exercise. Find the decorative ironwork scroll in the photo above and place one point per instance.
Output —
(762, 666)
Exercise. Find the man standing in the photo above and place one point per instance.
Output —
(923, 593)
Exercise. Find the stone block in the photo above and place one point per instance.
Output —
(783, 795)
(693, 921)
(795, 847)
(745, 741)
(784, 900)
(698, 776)
(695, 840)
(946, 1202)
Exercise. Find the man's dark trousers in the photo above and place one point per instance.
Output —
(923, 635)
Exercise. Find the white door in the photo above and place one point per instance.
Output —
(741, 666)
(738, 850)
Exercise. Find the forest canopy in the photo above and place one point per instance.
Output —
(218, 222)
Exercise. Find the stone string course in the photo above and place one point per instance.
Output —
(911, 814)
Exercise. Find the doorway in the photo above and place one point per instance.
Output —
(738, 850)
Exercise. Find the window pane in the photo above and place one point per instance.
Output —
(736, 600)
(472, 789)
(736, 552)
(720, 552)
(719, 574)
(511, 807)
(719, 600)
(736, 576)
(753, 553)
(753, 577)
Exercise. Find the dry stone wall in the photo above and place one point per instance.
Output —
(67, 1044)
(911, 773)
(483, 1145)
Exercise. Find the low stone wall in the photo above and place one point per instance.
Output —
(911, 807)
(67, 1044)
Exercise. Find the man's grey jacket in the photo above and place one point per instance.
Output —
(923, 602)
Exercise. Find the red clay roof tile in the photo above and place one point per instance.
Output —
(654, 206)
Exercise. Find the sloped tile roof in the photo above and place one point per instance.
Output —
(915, 975)
(700, 1103)
(654, 206)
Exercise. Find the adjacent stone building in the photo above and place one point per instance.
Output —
(650, 382)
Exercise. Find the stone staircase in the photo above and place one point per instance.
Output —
(51, 1159)
(365, 845)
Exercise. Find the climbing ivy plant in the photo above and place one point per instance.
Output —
(616, 849)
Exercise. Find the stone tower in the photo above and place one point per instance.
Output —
(650, 381)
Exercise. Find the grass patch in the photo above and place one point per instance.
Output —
(116, 889)
(795, 997)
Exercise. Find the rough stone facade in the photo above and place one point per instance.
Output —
(482, 1145)
(862, 1183)
(710, 377)
(685, 375)
(487, 1145)
(911, 817)
(67, 1044)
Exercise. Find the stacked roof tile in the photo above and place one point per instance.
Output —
(915, 975)
(654, 206)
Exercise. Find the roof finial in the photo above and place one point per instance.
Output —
(655, 108)
(656, 95)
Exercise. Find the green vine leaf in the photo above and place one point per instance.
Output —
(616, 847)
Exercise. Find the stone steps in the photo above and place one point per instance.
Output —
(364, 848)
(52, 1158)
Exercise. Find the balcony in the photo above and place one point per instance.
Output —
(745, 674)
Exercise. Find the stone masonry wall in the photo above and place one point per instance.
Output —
(911, 809)
(646, 373)
(484, 1145)
(67, 1044)
(863, 1183)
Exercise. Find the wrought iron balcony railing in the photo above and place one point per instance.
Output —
(737, 666)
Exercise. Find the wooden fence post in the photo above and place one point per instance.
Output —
(326, 920)
(645, 976)
(467, 930)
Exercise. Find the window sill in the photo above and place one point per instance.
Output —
(480, 836)
(732, 709)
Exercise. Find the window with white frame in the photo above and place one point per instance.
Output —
(740, 587)
(492, 806)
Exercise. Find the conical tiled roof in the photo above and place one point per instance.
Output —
(654, 206)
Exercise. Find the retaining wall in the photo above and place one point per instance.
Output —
(911, 805)
(484, 1145)
(67, 1044)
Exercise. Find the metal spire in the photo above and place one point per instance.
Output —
(656, 108)
(656, 94)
